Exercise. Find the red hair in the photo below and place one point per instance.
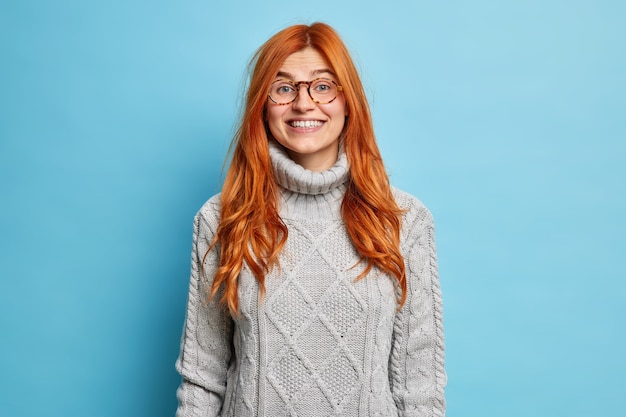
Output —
(251, 229)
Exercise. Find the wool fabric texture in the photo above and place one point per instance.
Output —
(319, 343)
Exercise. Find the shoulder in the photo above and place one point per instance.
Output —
(416, 215)
(411, 205)
(208, 217)
(212, 206)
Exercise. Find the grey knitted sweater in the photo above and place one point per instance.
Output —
(319, 343)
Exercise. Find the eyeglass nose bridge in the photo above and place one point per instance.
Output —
(308, 84)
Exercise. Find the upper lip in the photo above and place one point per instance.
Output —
(304, 120)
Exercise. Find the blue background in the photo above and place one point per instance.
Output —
(507, 118)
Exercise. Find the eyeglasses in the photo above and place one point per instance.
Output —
(321, 91)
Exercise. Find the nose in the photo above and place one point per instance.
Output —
(303, 101)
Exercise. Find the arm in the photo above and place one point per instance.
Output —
(416, 364)
(206, 347)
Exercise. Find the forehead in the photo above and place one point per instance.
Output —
(305, 63)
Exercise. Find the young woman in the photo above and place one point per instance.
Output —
(314, 287)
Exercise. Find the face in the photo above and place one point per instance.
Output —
(309, 131)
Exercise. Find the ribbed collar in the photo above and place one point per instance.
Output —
(294, 177)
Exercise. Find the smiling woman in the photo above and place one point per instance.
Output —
(314, 287)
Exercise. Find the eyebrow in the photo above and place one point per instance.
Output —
(313, 73)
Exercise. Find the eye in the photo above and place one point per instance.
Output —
(323, 86)
(283, 88)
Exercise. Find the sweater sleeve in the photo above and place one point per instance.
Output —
(416, 365)
(206, 345)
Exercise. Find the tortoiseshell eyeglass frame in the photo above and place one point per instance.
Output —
(308, 84)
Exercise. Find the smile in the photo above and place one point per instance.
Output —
(305, 123)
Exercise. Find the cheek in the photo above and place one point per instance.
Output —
(342, 107)
(275, 113)
(340, 114)
(274, 118)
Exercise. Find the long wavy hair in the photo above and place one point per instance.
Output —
(251, 229)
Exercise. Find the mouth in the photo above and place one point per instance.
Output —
(305, 124)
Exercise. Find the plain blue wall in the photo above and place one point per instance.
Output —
(507, 118)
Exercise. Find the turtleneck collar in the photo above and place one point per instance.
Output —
(295, 178)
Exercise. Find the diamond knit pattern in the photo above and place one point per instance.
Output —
(291, 309)
(340, 378)
(342, 309)
(289, 375)
(314, 298)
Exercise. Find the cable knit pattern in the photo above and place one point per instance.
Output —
(319, 343)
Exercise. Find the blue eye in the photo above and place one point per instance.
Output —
(323, 87)
(284, 89)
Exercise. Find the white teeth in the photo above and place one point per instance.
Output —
(305, 123)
